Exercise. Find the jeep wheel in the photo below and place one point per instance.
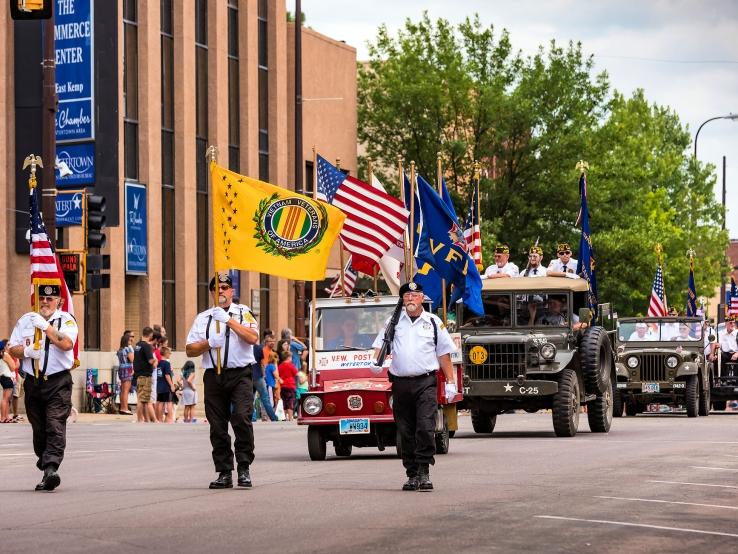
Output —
(719, 405)
(632, 408)
(316, 443)
(483, 423)
(600, 412)
(343, 450)
(704, 401)
(596, 359)
(566, 405)
(443, 439)
(692, 396)
(617, 401)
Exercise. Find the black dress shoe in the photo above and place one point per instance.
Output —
(411, 484)
(424, 482)
(224, 481)
(244, 478)
(50, 480)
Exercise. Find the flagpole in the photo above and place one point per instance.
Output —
(478, 176)
(341, 255)
(409, 229)
(439, 184)
(34, 162)
(660, 261)
(370, 174)
(412, 219)
(314, 286)
(211, 154)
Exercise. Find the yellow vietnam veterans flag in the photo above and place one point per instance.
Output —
(265, 228)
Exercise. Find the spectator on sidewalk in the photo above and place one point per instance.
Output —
(125, 370)
(144, 364)
(6, 382)
(260, 353)
(189, 391)
(302, 389)
(271, 377)
(287, 373)
(297, 347)
(164, 387)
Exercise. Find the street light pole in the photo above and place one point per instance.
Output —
(731, 116)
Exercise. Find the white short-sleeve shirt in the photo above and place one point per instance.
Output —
(539, 271)
(558, 265)
(237, 352)
(508, 269)
(728, 341)
(414, 351)
(54, 358)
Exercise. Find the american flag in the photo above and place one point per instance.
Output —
(374, 219)
(657, 306)
(44, 262)
(349, 282)
(733, 303)
(472, 233)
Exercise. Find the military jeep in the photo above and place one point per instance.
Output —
(530, 350)
(661, 360)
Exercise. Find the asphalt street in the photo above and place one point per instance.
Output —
(655, 483)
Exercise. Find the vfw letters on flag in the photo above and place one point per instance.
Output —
(261, 227)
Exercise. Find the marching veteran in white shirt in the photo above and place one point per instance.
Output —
(48, 382)
(230, 330)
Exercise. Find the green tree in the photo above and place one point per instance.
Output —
(464, 93)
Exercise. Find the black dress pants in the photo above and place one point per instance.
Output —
(230, 399)
(414, 407)
(48, 404)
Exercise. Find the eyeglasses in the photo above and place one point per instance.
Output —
(564, 252)
(46, 298)
(224, 287)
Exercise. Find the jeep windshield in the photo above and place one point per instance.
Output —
(544, 309)
(351, 326)
(652, 331)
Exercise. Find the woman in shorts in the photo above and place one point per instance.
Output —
(6, 382)
(189, 393)
(125, 370)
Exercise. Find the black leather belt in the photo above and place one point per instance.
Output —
(249, 367)
(392, 376)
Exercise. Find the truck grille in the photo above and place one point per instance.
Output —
(504, 361)
(653, 367)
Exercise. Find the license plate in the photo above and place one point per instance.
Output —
(622, 385)
(650, 387)
(353, 426)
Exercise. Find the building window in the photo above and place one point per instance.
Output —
(130, 90)
(234, 121)
(263, 92)
(168, 221)
(201, 141)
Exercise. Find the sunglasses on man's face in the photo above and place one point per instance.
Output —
(224, 287)
(46, 298)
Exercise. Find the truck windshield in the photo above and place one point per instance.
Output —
(646, 331)
(496, 312)
(350, 327)
(543, 309)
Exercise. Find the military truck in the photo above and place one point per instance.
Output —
(724, 380)
(536, 348)
(661, 360)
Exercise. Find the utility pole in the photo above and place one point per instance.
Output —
(299, 285)
(48, 148)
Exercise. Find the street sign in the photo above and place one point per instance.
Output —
(69, 208)
(75, 165)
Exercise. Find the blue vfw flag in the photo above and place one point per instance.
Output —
(442, 246)
(691, 292)
(586, 262)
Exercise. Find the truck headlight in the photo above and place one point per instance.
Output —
(548, 351)
(312, 405)
(632, 362)
(672, 361)
(391, 402)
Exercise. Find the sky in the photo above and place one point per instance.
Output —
(684, 54)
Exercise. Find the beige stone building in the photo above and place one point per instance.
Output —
(191, 73)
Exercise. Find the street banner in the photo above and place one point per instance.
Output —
(137, 251)
(68, 209)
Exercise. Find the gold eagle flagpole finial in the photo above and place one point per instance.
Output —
(659, 253)
(582, 166)
(34, 162)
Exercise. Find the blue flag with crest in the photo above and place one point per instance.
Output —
(586, 262)
(442, 246)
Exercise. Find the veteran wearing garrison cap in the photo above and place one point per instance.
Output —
(535, 269)
(226, 333)
(44, 343)
(502, 266)
(421, 345)
(564, 265)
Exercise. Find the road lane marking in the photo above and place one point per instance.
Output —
(695, 484)
(627, 524)
(668, 502)
(715, 468)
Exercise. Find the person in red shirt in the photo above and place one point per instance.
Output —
(287, 373)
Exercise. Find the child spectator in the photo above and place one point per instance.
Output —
(287, 373)
(164, 387)
(302, 389)
(189, 393)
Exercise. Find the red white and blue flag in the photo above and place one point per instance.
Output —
(349, 282)
(472, 232)
(45, 263)
(732, 303)
(374, 219)
(657, 305)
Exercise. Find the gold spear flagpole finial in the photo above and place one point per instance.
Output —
(477, 170)
(659, 251)
(582, 166)
(691, 254)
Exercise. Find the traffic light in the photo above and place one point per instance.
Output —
(30, 9)
(72, 264)
(95, 222)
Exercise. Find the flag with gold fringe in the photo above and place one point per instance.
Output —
(261, 227)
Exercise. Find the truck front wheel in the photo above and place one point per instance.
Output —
(482, 422)
(566, 405)
(316, 443)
